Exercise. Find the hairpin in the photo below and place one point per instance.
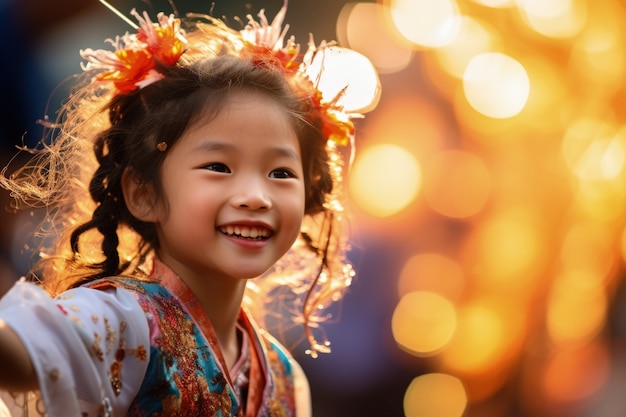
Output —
(140, 59)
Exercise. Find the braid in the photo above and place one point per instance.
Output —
(105, 190)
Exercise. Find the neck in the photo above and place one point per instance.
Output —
(222, 307)
(221, 301)
(222, 304)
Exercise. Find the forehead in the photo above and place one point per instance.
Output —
(245, 119)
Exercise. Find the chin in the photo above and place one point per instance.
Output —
(248, 275)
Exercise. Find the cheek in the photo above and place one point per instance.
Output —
(187, 202)
(296, 210)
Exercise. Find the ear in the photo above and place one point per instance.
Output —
(139, 197)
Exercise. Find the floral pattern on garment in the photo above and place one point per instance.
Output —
(186, 373)
(89, 349)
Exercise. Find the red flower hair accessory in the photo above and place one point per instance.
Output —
(264, 43)
(139, 58)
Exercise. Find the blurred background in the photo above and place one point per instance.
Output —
(488, 195)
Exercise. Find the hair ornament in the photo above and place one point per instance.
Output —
(139, 58)
(161, 146)
(142, 58)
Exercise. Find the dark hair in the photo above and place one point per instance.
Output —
(102, 132)
(162, 112)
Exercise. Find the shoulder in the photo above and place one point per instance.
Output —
(280, 357)
(299, 381)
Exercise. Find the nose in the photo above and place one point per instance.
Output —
(252, 194)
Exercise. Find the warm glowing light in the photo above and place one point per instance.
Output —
(435, 395)
(555, 18)
(496, 3)
(385, 179)
(545, 8)
(623, 244)
(592, 150)
(459, 184)
(364, 28)
(576, 373)
(598, 58)
(588, 247)
(424, 22)
(346, 69)
(432, 272)
(567, 322)
(548, 96)
(601, 201)
(507, 248)
(413, 123)
(516, 113)
(496, 85)
(480, 340)
(474, 38)
(423, 323)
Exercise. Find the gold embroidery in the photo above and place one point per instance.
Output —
(140, 353)
(277, 409)
(116, 377)
(110, 335)
(65, 296)
(95, 348)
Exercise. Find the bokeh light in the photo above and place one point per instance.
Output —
(496, 3)
(459, 184)
(496, 85)
(569, 324)
(487, 332)
(385, 180)
(593, 150)
(474, 38)
(432, 272)
(423, 322)
(435, 395)
(424, 22)
(506, 251)
(347, 78)
(363, 27)
(562, 380)
(554, 18)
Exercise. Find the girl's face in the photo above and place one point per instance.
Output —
(235, 190)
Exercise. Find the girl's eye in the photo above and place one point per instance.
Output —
(218, 167)
(282, 173)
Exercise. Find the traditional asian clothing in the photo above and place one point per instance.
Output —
(125, 347)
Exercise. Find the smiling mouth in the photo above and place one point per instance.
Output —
(246, 232)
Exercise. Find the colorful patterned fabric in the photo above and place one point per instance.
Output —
(186, 374)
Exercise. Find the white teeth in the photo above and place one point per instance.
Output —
(250, 232)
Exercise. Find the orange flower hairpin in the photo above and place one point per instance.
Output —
(140, 59)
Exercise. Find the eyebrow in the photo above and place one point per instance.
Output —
(286, 152)
(279, 151)
(212, 146)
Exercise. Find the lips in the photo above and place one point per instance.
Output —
(246, 232)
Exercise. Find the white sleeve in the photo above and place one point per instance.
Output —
(89, 347)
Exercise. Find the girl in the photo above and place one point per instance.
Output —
(216, 161)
